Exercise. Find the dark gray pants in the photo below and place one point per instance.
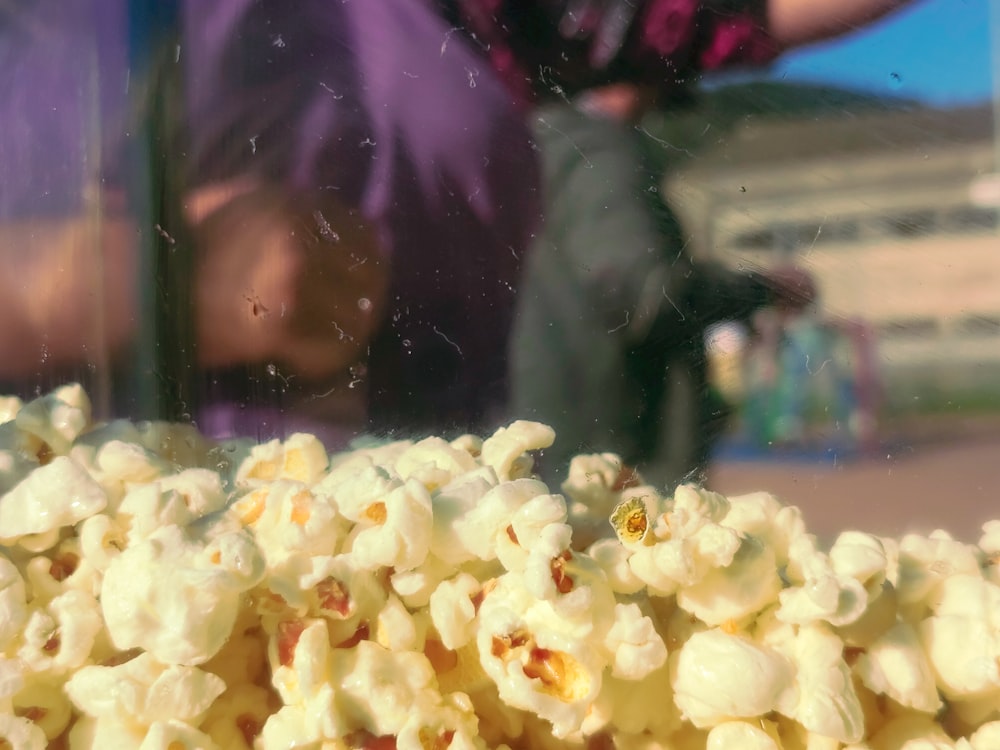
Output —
(604, 349)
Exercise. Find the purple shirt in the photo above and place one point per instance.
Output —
(380, 100)
(62, 97)
(551, 48)
(375, 99)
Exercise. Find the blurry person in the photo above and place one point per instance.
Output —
(608, 374)
(609, 341)
(307, 127)
(357, 203)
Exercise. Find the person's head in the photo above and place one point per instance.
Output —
(623, 101)
(298, 278)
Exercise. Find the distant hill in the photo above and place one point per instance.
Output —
(791, 100)
(766, 120)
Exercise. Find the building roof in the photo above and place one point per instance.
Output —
(772, 123)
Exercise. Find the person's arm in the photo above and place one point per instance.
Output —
(66, 294)
(795, 22)
(272, 284)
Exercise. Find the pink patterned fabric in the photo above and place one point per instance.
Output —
(662, 42)
(739, 40)
(667, 29)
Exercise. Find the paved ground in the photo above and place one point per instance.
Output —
(929, 476)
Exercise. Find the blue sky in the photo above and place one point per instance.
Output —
(936, 51)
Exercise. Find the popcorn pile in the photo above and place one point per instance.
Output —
(162, 591)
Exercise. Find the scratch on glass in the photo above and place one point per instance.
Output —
(445, 337)
(447, 38)
(672, 303)
(818, 371)
(587, 162)
(257, 308)
(623, 325)
(662, 142)
(341, 333)
(335, 94)
(163, 233)
(325, 230)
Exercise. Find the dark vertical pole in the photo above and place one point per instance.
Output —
(165, 352)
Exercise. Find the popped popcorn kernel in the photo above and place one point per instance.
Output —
(20, 733)
(434, 463)
(128, 463)
(9, 407)
(59, 636)
(59, 494)
(45, 705)
(304, 459)
(237, 717)
(242, 660)
(613, 560)
(395, 628)
(143, 691)
(540, 661)
(102, 538)
(163, 595)
(638, 649)
(728, 594)
(596, 484)
(453, 610)
(397, 534)
(826, 702)
(507, 449)
(176, 735)
(740, 735)
(896, 666)
(704, 688)
(13, 602)
(56, 419)
(482, 529)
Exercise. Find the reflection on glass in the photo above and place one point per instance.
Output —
(332, 218)
(348, 223)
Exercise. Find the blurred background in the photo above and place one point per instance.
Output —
(329, 219)
(873, 161)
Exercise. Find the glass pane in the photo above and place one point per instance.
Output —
(259, 220)
(389, 374)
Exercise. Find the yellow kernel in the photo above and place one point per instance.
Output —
(376, 513)
(301, 508)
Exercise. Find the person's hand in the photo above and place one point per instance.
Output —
(792, 23)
